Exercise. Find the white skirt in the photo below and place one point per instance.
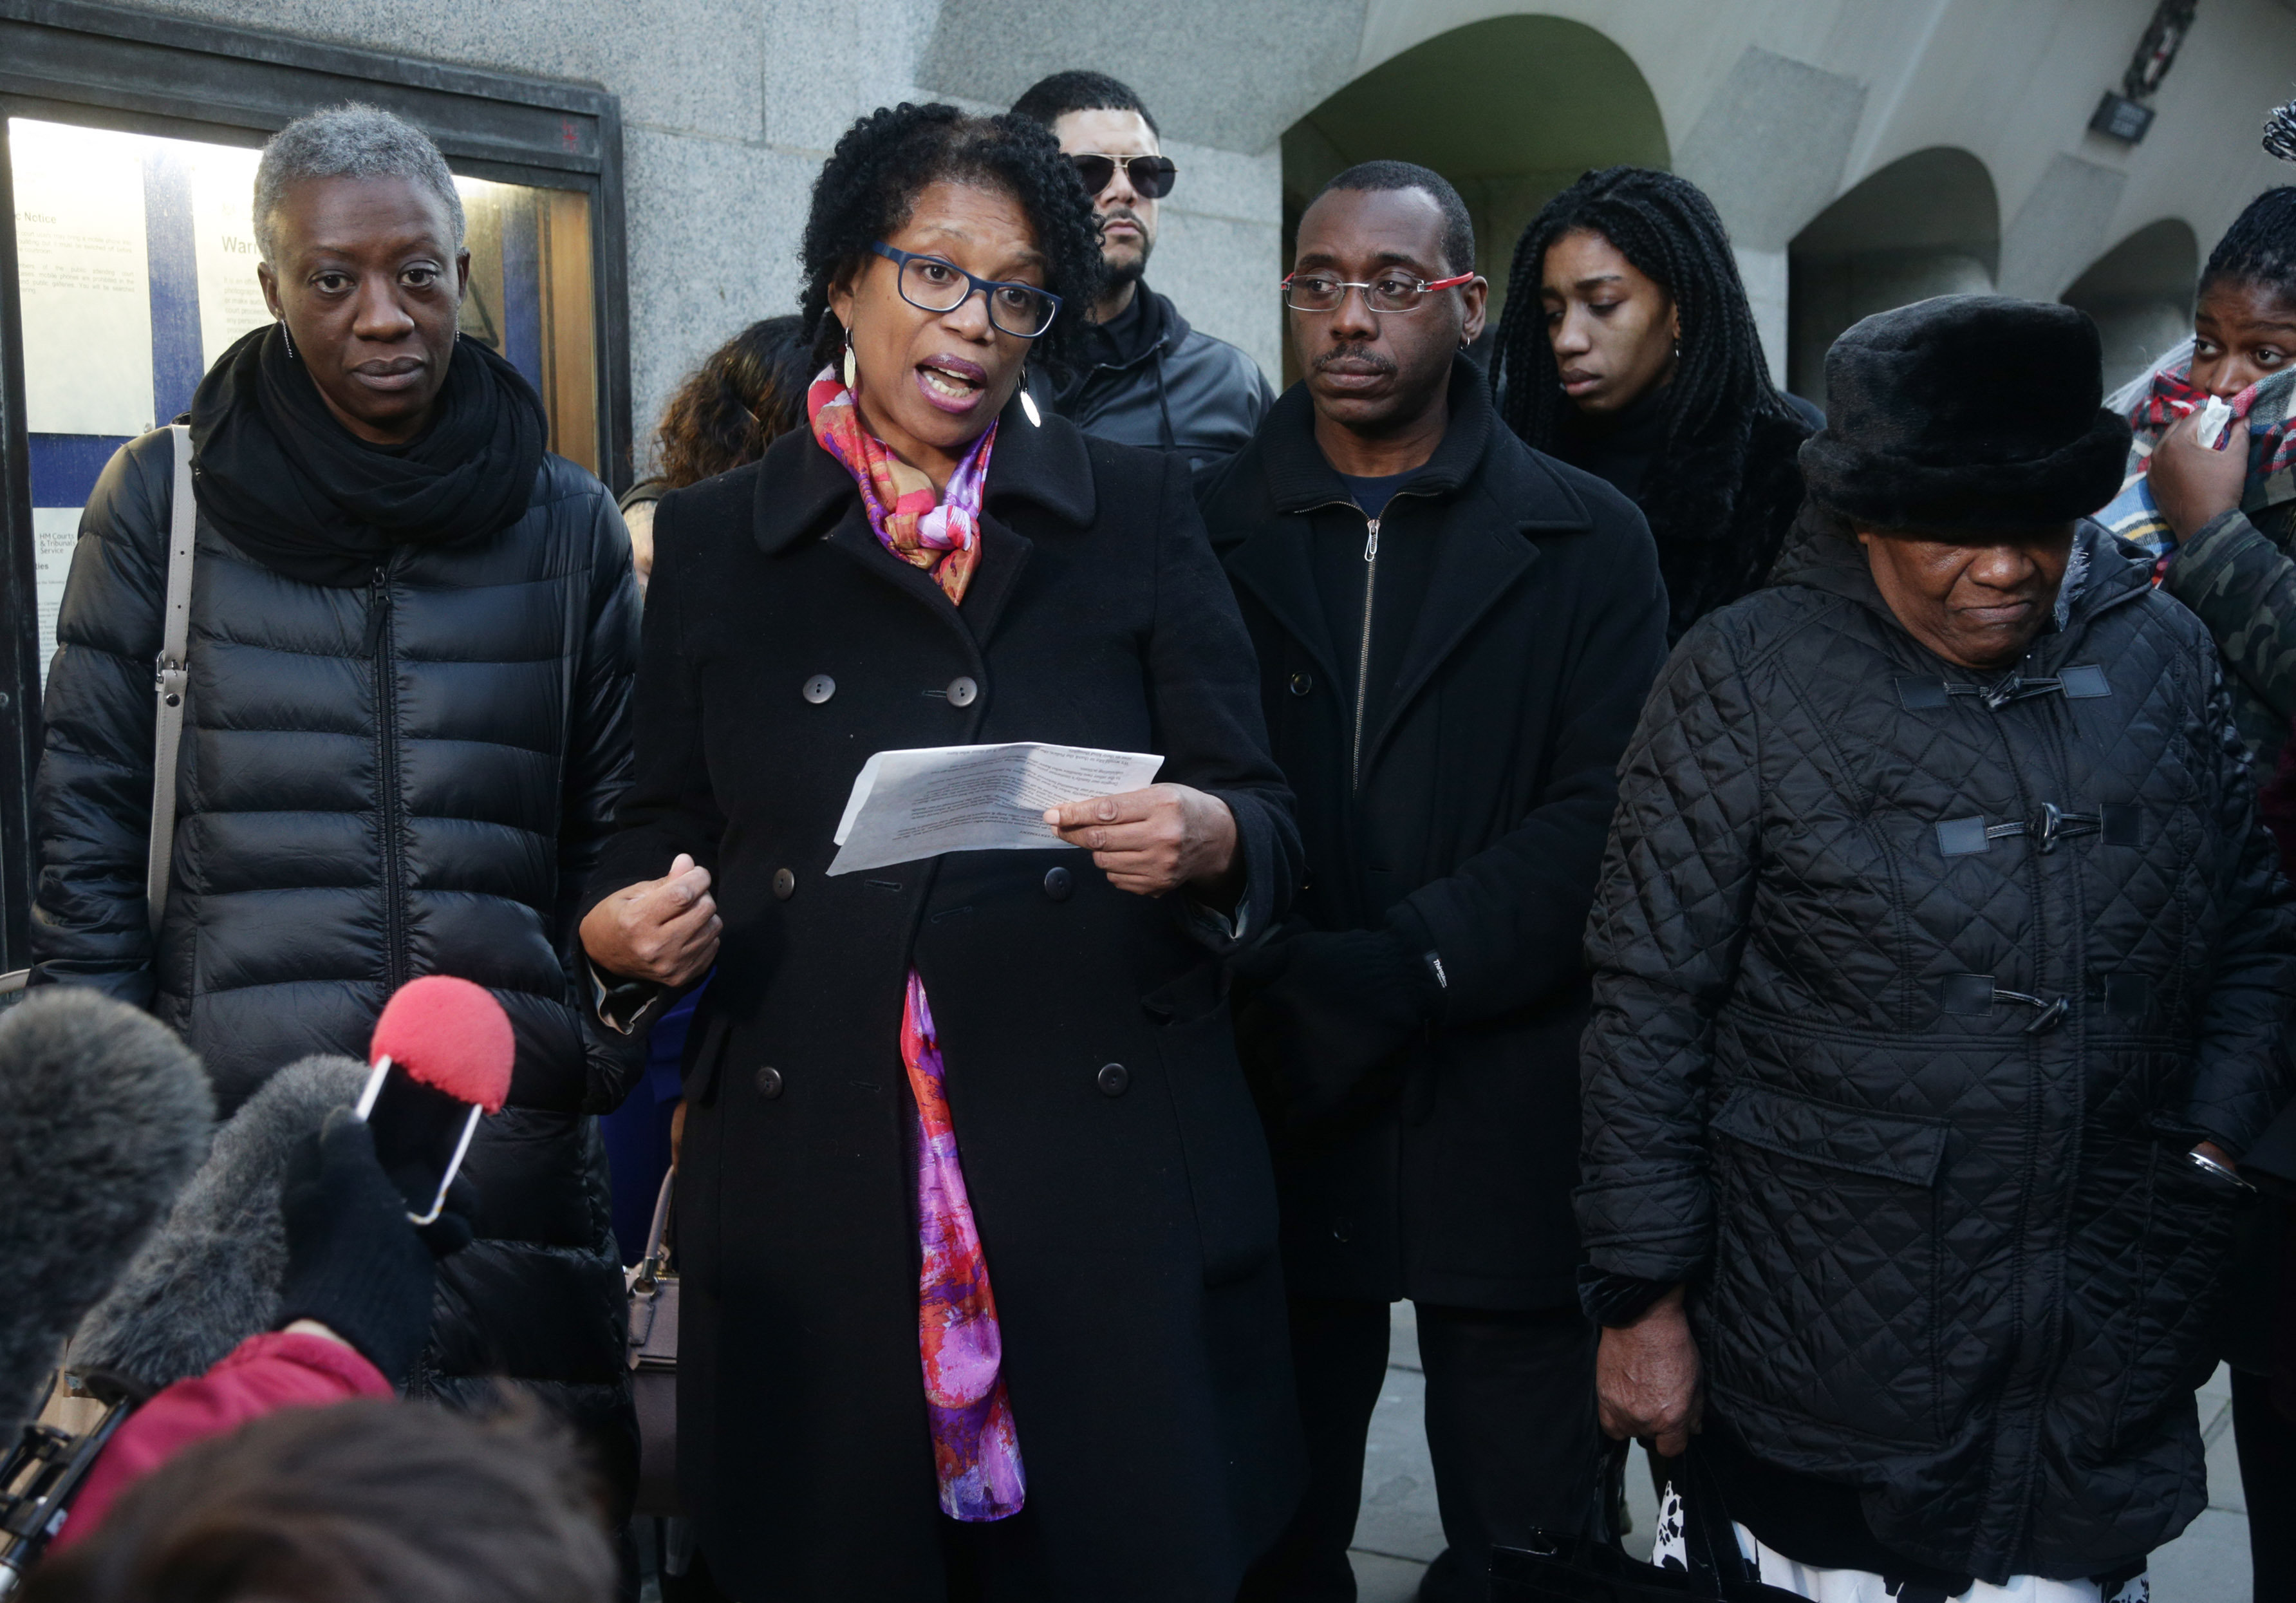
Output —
(1863, 1586)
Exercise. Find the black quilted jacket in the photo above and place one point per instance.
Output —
(1914, 986)
(408, 778)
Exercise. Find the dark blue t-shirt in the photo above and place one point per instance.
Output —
(1372, 494)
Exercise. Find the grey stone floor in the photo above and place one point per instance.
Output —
(1397, 1532)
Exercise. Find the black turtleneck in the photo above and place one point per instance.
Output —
(1127, 336)
(1621, 447)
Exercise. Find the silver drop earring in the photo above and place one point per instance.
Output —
(1029, 401)
(852, 375)
(290, 338)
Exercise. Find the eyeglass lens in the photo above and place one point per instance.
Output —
(1016, 308)
(1152, 176)
(1316, 295)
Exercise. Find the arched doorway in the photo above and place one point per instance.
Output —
(1927, 224)
(2141, 294)
(1511, 110)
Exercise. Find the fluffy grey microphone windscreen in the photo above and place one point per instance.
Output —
(209, 1277)
(104, 1114)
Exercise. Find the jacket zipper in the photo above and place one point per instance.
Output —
(383, 647)
(1362, 650)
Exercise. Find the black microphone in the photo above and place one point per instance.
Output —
(104, 1114)
(209, 1276)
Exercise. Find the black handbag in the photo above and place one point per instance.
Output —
(1583, 1569)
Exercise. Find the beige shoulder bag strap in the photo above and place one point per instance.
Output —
(168, 681)
(170, 678)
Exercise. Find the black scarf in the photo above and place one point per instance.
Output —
(289, 485)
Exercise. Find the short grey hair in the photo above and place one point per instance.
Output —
(349, 141)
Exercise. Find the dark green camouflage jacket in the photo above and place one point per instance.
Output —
(2238, 577)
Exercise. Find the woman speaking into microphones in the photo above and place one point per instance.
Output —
(975, 1217)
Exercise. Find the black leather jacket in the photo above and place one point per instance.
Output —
(1185, 392)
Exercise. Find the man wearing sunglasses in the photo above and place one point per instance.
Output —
(1455, 636)
(1147, 378)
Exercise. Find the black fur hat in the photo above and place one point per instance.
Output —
(1967, 411)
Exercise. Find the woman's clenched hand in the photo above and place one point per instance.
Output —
(2193, 483)
(1647, 1379)
(1151, 841)
(664, 930)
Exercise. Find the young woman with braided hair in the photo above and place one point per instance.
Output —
(2230, 517)
(1627, 348)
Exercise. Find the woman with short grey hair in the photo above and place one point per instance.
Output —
(412, 638)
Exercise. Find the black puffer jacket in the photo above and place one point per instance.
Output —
(332, 842)
(1905, 1096)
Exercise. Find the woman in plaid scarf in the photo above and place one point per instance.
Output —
(2232, 513)
(2232, 509)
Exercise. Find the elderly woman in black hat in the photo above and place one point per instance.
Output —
(1941, 972)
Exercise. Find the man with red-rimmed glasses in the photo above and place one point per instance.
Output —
(1456, 634)
(1147, 378)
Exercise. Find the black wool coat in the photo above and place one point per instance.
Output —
(408, 778)
(1476, 834)
(1915, 985)
(1110, 1148)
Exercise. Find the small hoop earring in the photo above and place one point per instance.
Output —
(289, 337)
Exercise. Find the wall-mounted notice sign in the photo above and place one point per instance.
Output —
(55, 530)
(86, 292)
(231, 300)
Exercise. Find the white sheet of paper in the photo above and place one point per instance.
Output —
(85, 278)
(920, 802)
(55, 530)
(223, 240)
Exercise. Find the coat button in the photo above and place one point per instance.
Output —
(784, 884)
(770, 1083)
(1114, 1079)
(1343, 1230)
(819, 689)
(1058, 885)
(1302, 683)
(962, 691)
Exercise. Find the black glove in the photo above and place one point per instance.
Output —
(354, 1263)
(1341, 1007)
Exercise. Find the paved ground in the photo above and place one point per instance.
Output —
(1397, 1532)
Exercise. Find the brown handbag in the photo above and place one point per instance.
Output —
(652, 1358)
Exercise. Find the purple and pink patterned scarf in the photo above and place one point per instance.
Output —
(940, 534)
(976, 1453)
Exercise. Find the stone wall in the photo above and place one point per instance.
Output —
(1779, 108)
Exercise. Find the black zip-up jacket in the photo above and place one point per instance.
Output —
(1914, 986)
(1487, 768)
(1185, 393)
(411, 777)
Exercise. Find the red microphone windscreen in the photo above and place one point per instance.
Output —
(449, 1034)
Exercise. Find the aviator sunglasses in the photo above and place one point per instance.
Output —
(1151, 175)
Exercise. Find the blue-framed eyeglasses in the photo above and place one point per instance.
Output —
(930, 284)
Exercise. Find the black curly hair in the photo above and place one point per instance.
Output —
(746, 394)
(1721, 401)
(865, 190)
(2260, 246)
